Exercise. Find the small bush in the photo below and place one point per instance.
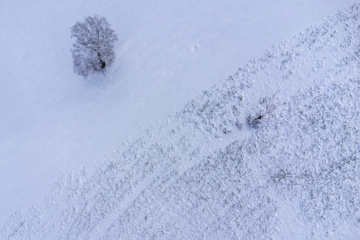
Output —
(270, 106)
(254, 121)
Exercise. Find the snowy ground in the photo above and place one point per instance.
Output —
(204, 174)
(168, 52)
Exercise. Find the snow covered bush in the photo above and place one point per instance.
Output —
(270, 106)
(254, 121)
(93, 50)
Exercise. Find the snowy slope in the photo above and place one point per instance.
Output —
(169, 51)
(204, 174)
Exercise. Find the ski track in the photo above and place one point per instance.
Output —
(204, 174)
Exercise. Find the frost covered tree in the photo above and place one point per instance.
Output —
(93, 50)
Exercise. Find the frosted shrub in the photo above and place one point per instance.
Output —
(93, 50)
(254, 121)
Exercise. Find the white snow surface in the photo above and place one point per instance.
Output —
(200, 173)
(169, 51)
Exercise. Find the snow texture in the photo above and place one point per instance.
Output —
(204, 174)
(52, 121)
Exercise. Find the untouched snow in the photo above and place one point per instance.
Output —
(52, 122)
(204, 174)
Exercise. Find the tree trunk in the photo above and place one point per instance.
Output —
(103, 63)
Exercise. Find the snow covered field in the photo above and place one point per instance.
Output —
(201, 172)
